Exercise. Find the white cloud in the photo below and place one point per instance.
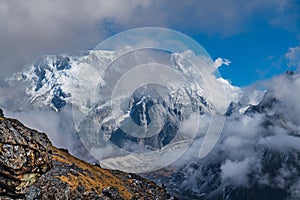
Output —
(293, 57)
(295, 190)
(251, 143)
(222, 61)
(32, 28)
(237, 171)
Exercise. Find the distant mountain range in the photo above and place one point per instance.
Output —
(256, 157)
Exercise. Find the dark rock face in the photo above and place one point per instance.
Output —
(31, 168)
(24, 156)
(1, 113)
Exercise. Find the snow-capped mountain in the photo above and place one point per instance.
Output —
(256, 156)
(56, 80)
(157, 111)
(53, 80)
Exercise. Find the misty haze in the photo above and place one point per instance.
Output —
(150, 100)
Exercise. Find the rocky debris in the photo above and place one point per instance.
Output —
(31, 168)
(142, 187)
(111, 192)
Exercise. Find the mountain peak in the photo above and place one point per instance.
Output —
(289, 72)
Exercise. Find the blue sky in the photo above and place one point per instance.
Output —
(256, 42)
(255, 35)
(255, 55)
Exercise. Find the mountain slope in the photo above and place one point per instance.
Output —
(31, 168)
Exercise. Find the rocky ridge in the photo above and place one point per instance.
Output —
(31, 168)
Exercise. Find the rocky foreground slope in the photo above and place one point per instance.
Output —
(31, 168)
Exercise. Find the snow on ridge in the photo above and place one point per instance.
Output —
(49, 79)
(56, 80)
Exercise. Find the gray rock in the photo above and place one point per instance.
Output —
(24, 157)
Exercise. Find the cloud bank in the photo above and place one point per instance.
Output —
(33, 28)
(293, 57)
(258, 150)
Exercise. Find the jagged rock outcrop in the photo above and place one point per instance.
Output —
(31, 168)
(25, 155)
